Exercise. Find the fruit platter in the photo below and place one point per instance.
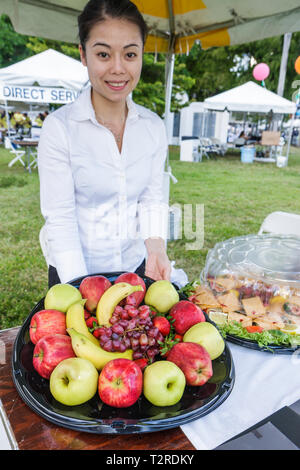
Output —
(250, 289)
(118, 353)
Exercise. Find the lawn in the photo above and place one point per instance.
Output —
(236, 199)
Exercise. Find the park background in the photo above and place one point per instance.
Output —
(236, 196)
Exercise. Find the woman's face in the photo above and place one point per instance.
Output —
(113, 55)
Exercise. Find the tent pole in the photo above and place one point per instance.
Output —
(170, 60)
(283, 64)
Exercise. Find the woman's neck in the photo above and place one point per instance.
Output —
(108, 111)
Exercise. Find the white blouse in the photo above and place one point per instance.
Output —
(99, 204)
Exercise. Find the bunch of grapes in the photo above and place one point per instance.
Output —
(131, 328)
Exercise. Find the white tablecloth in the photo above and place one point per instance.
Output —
(264, 383)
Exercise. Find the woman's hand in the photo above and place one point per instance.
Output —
(158, 265)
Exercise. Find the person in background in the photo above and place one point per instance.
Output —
(19, 119)
(101, 159)
(3, 120)
(3, 125)
(39, 120)
(12, 120)
(27, 125)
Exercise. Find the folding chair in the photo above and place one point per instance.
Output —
(15, 151)
(204, 147)
(34, 162)
(282, 223)
(218, 146)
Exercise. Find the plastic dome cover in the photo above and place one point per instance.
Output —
(271, 258)
(254, 280)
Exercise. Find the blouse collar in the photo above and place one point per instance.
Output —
(82, 108)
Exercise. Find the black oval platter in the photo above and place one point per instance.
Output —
(98, 418)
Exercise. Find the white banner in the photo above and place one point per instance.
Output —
(37, 94)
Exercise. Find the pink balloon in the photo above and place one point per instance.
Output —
(261, 71)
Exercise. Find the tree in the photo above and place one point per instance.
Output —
(221, 68)
(13, 46)
(150, 91)
(211, 70)
(270, 51)
(37, 45)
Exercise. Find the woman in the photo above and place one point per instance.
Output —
(101, 159)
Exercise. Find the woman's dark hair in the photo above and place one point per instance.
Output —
(96, 11)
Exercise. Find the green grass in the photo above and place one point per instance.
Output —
(236, 199)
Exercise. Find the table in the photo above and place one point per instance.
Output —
(28, 145)
(28, 431)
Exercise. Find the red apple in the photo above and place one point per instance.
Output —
(134, 279)
(50, 351)
(92, 288)
(185, 314)
(120, 383)
(193, 360)
(47, 322)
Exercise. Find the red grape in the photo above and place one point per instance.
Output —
(108, 346)
(124, 315)
(137, 355)
(118, 310)
(133, 312)
(113, 319)
(143, 339)
(117, 328)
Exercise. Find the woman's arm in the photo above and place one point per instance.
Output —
(57, 198)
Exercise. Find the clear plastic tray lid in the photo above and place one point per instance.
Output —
(269, 258)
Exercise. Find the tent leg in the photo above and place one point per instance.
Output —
(170, 61)
(169, 71)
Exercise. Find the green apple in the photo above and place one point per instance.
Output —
(208, 336)
(61, 297)
(164, 383)
(161, 295)
(74, 381)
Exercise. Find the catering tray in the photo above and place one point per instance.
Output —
(98, 418)
(262, 267)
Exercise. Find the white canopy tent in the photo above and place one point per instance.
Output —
(253, 98)
(47, 77)
(49, 69)
(250, 97)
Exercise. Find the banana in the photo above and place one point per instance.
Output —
(84, 348)
(75, 319)
(111, 298)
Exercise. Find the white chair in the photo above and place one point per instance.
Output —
(15, 151)
(205, 147)
(282, 223)
(34, 161)
(219, 147)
